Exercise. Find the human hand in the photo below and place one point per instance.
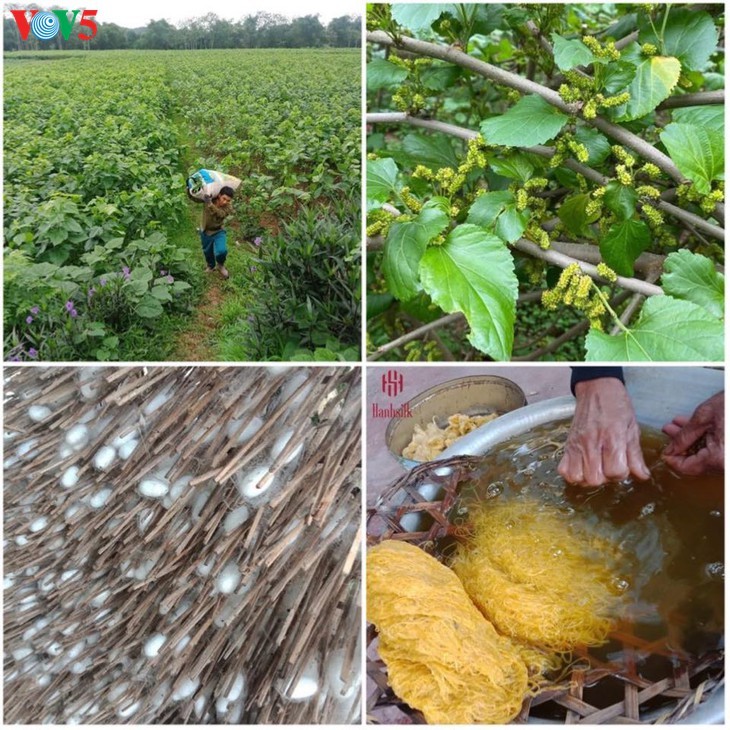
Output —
(603, 444)
(697, 444)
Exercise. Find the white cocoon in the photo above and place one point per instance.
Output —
(153, 645)
(235, 519)
(104, 457)
(39, 413)
(153, 487)
(228, 579)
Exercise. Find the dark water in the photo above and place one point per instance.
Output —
(670, 530)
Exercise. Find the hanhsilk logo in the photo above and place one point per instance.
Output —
(391, 383)
(47, 24)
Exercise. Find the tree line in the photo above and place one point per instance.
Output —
(262, 30)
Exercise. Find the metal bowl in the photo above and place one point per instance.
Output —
(474, 395)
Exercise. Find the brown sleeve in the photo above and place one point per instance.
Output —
(215, 214)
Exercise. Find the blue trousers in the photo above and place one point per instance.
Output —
(215, 249)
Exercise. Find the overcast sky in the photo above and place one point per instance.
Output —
(137, 13)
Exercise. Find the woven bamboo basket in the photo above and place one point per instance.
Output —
(626, 696)
(224, 590)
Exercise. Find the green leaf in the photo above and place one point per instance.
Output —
(623, 243)
(655, 78)
(382, 74)
(516, 167)
(381, 175)
(620, 200)
(433, 152)
(417, 16)
(440, 78)
(668, 330)
(699, 153)
(617, 76)
(149, 307)
(161, 293)
(689, 35)
(485, 209)
(693, 278)
(573, 214)
(571, 53)
(531, 121)
(404, 247)
(378, 303)
(711, 117)
(597, 145)
(473, 272)
(511, 223)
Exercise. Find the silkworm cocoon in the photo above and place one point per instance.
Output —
(54, 649)
(81, 666)
(38, 524)
(199, 504)
(179, 485)
(199, 706)
(277, 369)
(204, 569)
(144, 570)
(235, 519)
(22, 653)
(237, 688)
(117, 691)
(180, 647)
(39, 413)
(72, 510)
(64, 451)
(251, 430)
(186, 688)
(70, 477)
(77, 436)
(157, 402)
(255, 482)
(76, 649)
(153, 645)
(124, 438)
(47, 583)
(221, 707)
(8, 581)
(21, 540)
(44, 680)
(26, 448)
(10, 461)
(153, 487)
(228, 579)
(281, 442)
(69, 575)
(100, 498)
(104, 458)
(235, 714)
(128, 710)
(9, 435)
(305, 687)
(100, 598)
(126, 449)
(144, 519)
(428, 491)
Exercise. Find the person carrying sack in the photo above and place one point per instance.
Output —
(212, 235)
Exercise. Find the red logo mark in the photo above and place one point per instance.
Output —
(391, 383)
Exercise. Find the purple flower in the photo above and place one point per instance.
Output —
(252, 268)
(35, 310)
(32, 353)
(73, 314)
(125, 272)
(91, 292)
(170, 279)
(163, 272)
(29, 320)
(258, 241)
(14, 358)
(102, 281)
(69, 305)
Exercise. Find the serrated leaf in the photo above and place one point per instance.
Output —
(381, 177)
(689, 35)
(699, 153)
(571, 53)
(516, 167)
(417, 16)
(693, 278)
(473, 272)
(623, 244)
(597, 145)
(531, 121)
(573, 214)
(710, 117)
(620, 200)
(668, 330)
(511, 223)
(433, 152)
(655, 78)
(617, 76)
(382, 74)
(485, 209)
(404, 247)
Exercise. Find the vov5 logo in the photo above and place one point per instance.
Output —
(48, 24)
